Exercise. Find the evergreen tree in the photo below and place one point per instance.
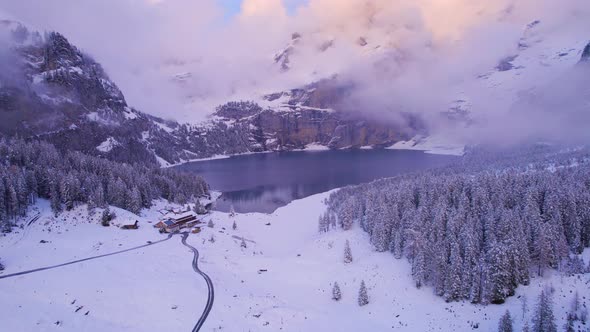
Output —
(22, 194)
(210, 224)
(347, 253)
(107, 217)
(569, 323)
(524, 306)
(243, 243)
(526, 327)
(543, 319)
(575, 307)
(347, 213)
(199, 208)
(544, 253)
(336, 293)
(363, 298)
(234, 226)
(454, 274)
(55, 198)
(332, 219)
(133, 201)
(3, 211)
(324, 223)
(505, 324)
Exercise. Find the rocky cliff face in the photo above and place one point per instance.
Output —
(309, 115)
(287, 130)
(586, 54)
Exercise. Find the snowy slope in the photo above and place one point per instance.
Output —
(544, 53)
(486, 82)
(137, 291)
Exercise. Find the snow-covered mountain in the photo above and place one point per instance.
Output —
(56, 92)
(61, 94)
(327, 71)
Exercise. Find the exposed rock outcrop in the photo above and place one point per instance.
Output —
(586, 54)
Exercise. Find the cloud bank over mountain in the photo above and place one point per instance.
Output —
(417, 56)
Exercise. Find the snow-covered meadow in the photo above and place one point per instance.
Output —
(155, 288)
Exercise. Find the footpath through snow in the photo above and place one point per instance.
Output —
(281, 281)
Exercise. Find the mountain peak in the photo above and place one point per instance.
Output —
(586, 54)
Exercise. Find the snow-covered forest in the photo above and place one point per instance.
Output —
(37, 169)
(480, 228)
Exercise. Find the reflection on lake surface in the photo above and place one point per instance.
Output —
(264, 182)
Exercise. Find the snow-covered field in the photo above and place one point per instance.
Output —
(155, 288)
(432, 144)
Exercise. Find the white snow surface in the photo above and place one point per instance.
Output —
(137, 291)
(109, 144)
(316, 147)
(431, 144)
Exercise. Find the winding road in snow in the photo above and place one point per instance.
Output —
(211, 296)
(195, 264)
(83, 259)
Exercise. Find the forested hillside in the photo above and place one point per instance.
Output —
(478, 229)
(29, 170)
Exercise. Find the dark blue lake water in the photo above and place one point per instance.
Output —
(265, 182)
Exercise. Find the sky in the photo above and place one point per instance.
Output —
(421, 54)
(234, 7)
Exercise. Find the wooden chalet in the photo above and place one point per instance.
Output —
(171, 225)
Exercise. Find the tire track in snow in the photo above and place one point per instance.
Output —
(211, 296)
(12, 275)
(195, 265)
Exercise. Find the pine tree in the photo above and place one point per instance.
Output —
(543, 250)
(363, 296)
(454, 274)
(133, 201)
(54, 197)
(332, 219)
(324, 223)
(347, 253)
(234, 226)
(107, 217)
(524, 306)
(499, 284)
(346, 214)
(243, 243)
(3, 212)
(199, 208)
(210, 224)
(380, 235)
(22, 194)
(505, 324)
(575, 306)
(67, 192)
(584, 315)
(336, 293)
(569, 323)
(543, 319)
(526, 327)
